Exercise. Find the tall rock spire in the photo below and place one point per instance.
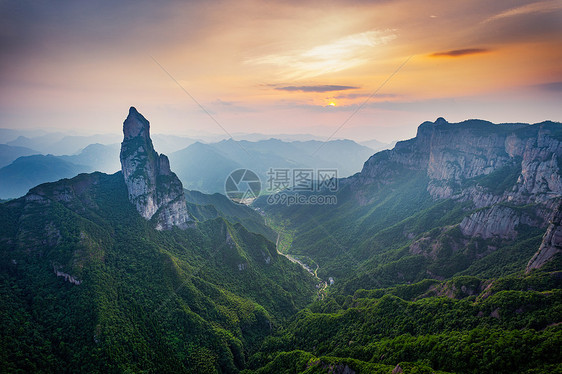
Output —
(154, 189)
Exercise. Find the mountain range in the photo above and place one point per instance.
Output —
(452, 201)
(8, 154)
(133, 278)
(205, 167)
(26, 172)
(440, 255)
(445, 251)
(200, 166)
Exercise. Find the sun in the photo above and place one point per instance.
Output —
(332, 103)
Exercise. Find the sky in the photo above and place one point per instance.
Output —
(353, 69)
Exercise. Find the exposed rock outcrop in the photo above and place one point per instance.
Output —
(153, 188)
(551, 244)
(67, 277)
(494, 168)
(496, 221)
(453, 153)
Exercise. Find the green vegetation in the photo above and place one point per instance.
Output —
(204, 207)
(420, 282)
(502, 179)
(384, 234)
(284, 237)
(467, 325)
(303, 362)
(421, 286)
(199, 300)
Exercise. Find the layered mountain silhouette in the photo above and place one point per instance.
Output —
(441, 255)
(200, 166)
(205, 167)
(10, 153)
(26, 172)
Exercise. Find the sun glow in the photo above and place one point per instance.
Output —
(344, 53)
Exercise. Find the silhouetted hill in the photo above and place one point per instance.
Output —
(26, 172)
(8, 153)
(205, 167)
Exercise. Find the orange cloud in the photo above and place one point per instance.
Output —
(460, 52)
(318, 88)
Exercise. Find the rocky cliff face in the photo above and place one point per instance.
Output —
(551, 244)
(490, 166)
(455, 152)
(153, 188)
(452, 153)
(497, 221)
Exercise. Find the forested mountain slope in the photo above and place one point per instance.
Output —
(101, 273)
(445, 253)
(472, 198)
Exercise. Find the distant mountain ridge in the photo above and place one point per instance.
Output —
(452, 200)
(200, 166)
(28, 171)
(376, 145)
(60, 144)
(205, 167)
(8, 153)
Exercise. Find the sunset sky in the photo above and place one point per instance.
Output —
(278, 66)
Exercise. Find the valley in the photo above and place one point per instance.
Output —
(281, 187)
(440, 256)
(320, 286)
